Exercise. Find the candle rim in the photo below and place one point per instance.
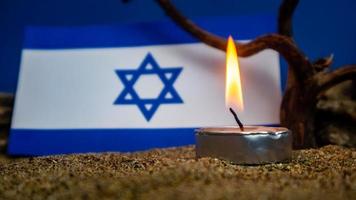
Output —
(249, 130)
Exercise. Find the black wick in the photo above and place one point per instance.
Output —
(237, 119)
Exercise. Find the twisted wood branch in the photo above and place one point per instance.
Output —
(280, 43)
(285, 26)
(328, 80)
(323, 63)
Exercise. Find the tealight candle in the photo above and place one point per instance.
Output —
(242, 145)
(253, 145)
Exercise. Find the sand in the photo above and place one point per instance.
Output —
(325, 173)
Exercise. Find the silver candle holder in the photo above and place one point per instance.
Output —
(250, 145)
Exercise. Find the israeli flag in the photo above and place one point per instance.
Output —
(135, 86)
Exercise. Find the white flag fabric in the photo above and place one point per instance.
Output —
(90, 89)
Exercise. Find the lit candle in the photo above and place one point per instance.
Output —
(242, 144)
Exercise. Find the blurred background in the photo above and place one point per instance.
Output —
(320, 27)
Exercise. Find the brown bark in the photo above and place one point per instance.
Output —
(285, 17)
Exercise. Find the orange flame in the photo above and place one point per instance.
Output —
(233, 90)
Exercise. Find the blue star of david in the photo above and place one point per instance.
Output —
(148, 106)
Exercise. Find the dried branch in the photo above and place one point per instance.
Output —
(328, 80)
(345, 108)
(286, 11)
(285, 27)
(323, 63)
(284, 45)
(299, 64)
(6, 105)
(190, 27)
(6, 100)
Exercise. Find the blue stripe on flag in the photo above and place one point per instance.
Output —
(46, 142)
(148, 33)
(38, 142)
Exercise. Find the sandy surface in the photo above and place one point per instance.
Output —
(326, 173)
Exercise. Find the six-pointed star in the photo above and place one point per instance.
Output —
(148, 106)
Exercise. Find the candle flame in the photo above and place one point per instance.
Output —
(233, 90)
